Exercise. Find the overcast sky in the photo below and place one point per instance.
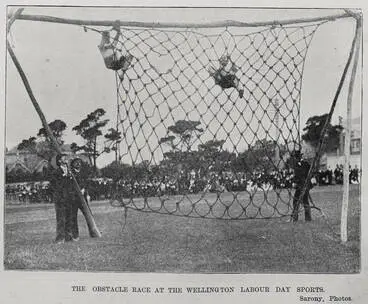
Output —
(69, 79)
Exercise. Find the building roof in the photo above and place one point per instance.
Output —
(65, 148)
(30, 161)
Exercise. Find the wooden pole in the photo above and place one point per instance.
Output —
(345, 197)
(277, 132)
(13, 17)
(228, 23)
(322, 139)
(92, 227)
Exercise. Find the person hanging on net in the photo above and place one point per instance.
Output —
(301, 169)
(225, 75)
(114, 58)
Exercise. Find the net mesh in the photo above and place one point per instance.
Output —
(209, 119)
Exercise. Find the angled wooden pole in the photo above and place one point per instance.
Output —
(322, 139)
(13, 17)
(345, 198)
(92, 227)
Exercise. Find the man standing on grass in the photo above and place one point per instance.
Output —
(76, 166)
(301, 169)
(60, 196)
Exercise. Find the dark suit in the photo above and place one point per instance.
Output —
(75, 203)
(300, 174)
(60, 196)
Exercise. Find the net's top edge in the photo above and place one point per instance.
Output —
(228, 23)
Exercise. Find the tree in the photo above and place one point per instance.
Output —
(114, 170)
(180, 138)
(45, 148)
(28, 145)
(113, 138)
(212, 156)
(183, 134)
(41, 149)
(259, 156)
(211, 148)
(90, 130)
(41, 145)
(74, 147)
(118, 170)
(313, 132)
(57, 127)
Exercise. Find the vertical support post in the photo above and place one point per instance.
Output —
(354, 46)
(345, 198)
(277, 132)
(117, 146)
(93, 230)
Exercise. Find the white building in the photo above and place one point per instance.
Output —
(331, 159)
(337, 157)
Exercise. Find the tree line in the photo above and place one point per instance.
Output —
(180, 156)
(177, 147)
(90, 129)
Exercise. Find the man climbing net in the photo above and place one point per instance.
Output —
(225, 75)
(114, 59)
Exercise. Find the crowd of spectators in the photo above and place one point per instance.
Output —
(192, 182)
(213, 182)
(336, 176)
(226, 181)
(28, 192)
(39, 192)
(99, 188)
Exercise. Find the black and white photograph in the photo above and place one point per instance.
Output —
(183, 140)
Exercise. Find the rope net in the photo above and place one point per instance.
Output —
(209, 118)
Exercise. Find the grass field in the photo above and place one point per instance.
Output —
(161, 243)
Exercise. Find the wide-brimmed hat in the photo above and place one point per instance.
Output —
(55, 160)
(58, 158)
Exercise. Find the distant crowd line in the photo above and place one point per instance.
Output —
(102, 188)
